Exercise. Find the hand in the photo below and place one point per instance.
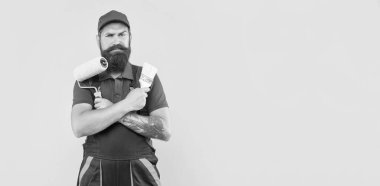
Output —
(136, 98)
(101, 103)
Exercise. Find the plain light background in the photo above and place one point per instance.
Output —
(266, 93)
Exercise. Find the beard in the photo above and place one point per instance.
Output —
(118, 60)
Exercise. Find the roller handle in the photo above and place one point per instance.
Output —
(98, 94)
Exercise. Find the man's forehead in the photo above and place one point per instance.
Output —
(114, 27)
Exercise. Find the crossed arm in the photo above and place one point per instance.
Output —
(86, 121)
(156, 125)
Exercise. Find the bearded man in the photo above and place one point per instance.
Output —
(120, 125)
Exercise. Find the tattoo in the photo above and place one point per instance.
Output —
(149, 126)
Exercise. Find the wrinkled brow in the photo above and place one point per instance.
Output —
(113, 32)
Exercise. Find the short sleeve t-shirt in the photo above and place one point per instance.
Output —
(118, 141)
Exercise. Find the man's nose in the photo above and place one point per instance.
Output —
(116, 40)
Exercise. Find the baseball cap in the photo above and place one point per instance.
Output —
(112, 16)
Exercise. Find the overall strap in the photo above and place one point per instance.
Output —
(136, 71)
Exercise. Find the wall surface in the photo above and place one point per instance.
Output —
(266, 93)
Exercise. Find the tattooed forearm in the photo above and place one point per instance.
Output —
(149, 126)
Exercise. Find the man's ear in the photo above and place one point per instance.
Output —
(98, 40)
(130, 38)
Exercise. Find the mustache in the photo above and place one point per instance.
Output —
(118, 46)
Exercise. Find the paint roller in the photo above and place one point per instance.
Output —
(90, 69)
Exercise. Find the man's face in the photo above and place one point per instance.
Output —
(114, 34)
(114, 45)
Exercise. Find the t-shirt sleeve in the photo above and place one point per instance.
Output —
(156, 96)
(82, 95)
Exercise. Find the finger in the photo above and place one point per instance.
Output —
(146, 89)
(97, 100)
(100, 106)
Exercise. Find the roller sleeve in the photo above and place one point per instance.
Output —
(90, 69)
